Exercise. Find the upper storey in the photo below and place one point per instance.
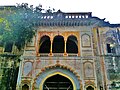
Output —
(71, 19)
(58, 18)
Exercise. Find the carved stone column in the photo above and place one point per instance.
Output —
(51, 42)
(65, 41)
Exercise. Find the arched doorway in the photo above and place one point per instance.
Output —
(57, 82)
(58, 44)
(89, 88)
(72, 44)
(25, 87)
(44, 45)
(60, 72)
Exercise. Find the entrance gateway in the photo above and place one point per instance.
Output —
(57, 79)
(65, 47)
(57, 82)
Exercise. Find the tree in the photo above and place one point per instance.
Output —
(16, 28)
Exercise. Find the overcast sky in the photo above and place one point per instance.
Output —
(109, 9)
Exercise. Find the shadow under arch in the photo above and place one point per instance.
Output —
(58, 44)
(72, 44)
(40, 80)
(44, 45)
(61, 75)
(25, 87)
(90, 87)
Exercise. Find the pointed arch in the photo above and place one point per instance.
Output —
(50, 71)
(25, 87)
(58, 81)
(90, 88)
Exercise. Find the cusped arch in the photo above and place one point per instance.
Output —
(72, 44)
(54, 70)
(44, 44)
(90, 84)
(61, 74)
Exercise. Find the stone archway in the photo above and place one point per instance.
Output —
(25, 87)
(89, 88)
(57, 82)
(70, 77)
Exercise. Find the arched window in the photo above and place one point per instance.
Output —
(89, 88)
(86, 41)
(25, 87)
(44, 45)
(57, 82)
(58, 44)
(72, 44)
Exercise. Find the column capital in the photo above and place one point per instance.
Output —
(51, 39)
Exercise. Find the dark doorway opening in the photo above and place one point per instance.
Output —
(25, 87)
(57, 82)
(89, 88)
(108, 48)
(71, 45)
(44, 45)
(58, 44)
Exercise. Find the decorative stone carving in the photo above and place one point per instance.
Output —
(27, 68)
(88, 69)
(86, 41)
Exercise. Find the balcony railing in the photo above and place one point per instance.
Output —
(58, 54)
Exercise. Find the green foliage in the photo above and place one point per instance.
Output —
(10, 72)
(17, 27)
(113, 73)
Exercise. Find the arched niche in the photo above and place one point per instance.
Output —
(88, 69)
(72, 44)
(44, 44)
(27, 68)
(41, 78)
(57, 82)
(25, 87)
(85, 40)
(58, 44)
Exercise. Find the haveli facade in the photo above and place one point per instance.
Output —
(70, 51)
